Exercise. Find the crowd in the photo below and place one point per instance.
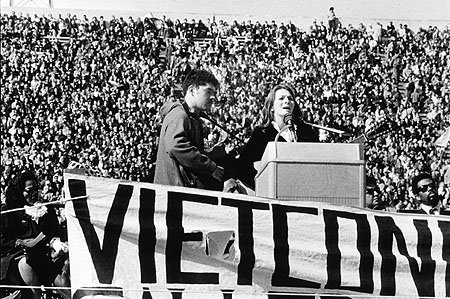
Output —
(88, 91)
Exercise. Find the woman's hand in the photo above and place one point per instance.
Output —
(232, 186)
(30, 242)
(25, 242)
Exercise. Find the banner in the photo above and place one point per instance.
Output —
(140, 240)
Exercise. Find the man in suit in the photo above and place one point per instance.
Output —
(425, 190)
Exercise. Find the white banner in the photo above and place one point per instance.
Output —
(140, 240)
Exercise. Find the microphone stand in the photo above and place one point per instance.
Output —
(340, 132)
(278, 136)
(288, 121)
(203, 115)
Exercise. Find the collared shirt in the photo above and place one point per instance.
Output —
(430, 210)
(288, 135)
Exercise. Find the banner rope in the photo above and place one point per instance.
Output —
(44, 288)
(62, 201)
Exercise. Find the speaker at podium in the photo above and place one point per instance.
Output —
(318, 172)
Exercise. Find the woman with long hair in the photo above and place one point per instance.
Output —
(31, 229)
(279, 102)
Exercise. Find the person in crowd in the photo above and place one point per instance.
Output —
(279, 102)
(444, 195)
(181, 158)
(372, 194)
(332, 20)
(30, 229)
(425, 189)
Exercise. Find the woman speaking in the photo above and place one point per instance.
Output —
(279, 102)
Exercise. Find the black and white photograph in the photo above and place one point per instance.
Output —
(225, 149)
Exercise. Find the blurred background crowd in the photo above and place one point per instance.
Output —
(79, 92)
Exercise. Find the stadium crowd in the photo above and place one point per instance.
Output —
(87, 92)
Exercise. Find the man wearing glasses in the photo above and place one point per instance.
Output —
(425, 190)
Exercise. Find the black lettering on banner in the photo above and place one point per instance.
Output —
(227, 294)
(176, 237)
(104, 259)
(176, 293)
(445, 229)
(147, 236)
(280, 277)
(423, 279)
(428, 269)
(146, 294)
(246, 243)
(334, 255)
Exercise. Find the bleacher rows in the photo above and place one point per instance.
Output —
(198, 41)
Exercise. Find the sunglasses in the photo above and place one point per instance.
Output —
(424, 188)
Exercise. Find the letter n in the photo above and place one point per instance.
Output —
(423, 279)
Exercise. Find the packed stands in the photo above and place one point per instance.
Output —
(87, 91)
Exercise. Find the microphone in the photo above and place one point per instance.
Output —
(287, 119)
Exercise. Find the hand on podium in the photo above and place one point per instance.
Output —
(233, 186)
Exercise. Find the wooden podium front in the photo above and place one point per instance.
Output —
(321, 172)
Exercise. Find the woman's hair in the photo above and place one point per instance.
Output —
(14, 192)
(267, 111)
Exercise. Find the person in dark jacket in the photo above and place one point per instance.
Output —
(181, 158)
(31, 228)
(279, 102)
(425, 190)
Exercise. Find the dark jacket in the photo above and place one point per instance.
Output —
(18, 225)
(181, 158)
(256, 146)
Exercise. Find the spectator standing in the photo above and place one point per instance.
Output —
(181, 159)
(332, 21)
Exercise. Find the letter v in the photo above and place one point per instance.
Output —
(104, 259)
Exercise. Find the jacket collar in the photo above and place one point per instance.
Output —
(189, 112)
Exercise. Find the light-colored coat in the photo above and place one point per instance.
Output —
(181, 144)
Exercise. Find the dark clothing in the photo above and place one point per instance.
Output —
(395, 63)
(18, 225)
(256, 146)
(181, 160)
(410, 89)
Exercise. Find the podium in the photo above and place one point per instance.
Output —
(320, 172)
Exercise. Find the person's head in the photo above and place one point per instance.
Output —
(279, 102)
(372, 193)
(200, 89)
(22, 190)
(424, 188)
